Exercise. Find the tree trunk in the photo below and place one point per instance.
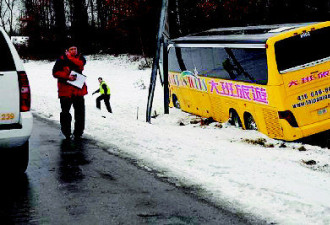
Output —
(92, 13)
(10, 19)
(101, 14)
(60, 26)
(79, 26)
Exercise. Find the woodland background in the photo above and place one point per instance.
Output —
(130, 26)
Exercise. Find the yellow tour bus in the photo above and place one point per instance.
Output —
(270, 78)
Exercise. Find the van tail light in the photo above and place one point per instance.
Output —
(25, 93)
(288, 116)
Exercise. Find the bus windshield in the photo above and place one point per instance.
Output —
(299, 51)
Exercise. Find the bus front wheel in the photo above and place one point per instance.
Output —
(176, 102)
(250, 123)
(234, 119)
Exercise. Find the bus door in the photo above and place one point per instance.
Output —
(198, 64)
(190, 93)
(175, 83)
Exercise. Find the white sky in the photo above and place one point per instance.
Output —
(272, 184)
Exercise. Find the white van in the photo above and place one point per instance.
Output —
(15, 117)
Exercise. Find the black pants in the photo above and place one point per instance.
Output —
(106, 99)
(78, 103)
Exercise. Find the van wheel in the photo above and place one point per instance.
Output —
(176, 102)
(234, 119)
(18, 159)
(250, 124)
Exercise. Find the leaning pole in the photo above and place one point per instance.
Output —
(156, 59)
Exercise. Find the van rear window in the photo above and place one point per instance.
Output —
(302, 49)
(6, 58)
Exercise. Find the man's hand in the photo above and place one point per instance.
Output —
(67, 53)
(66, 70)
(72, 77)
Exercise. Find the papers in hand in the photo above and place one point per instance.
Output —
(79, 82)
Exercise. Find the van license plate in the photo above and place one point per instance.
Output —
(322, 111)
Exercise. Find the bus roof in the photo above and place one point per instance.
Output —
(239, 35)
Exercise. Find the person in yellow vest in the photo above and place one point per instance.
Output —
(104, 90)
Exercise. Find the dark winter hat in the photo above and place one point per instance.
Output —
(100, 78)
(69, 43)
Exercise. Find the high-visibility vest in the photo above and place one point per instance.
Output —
(102, 90)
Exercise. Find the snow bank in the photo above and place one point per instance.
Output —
(219, 161)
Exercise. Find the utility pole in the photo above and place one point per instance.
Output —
(155, 63)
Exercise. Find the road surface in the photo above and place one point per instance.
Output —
(81, 183)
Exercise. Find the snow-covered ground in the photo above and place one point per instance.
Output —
(271, 183)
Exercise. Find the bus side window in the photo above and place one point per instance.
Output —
(197, 60)
(253, 65)
(230, 68)
(217, 70)
(187, 59)
(207, 60)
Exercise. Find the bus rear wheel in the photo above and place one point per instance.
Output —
(176, 102)
(250, 123)
(234, 119)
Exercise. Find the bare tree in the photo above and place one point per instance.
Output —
(79, 21)
(2, 9)
(91, 10)
(101, 13)
(178, 20)
(60, 22)
(7, 15)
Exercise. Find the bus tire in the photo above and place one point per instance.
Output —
(250, 123)
(234, 119)
(176, 102)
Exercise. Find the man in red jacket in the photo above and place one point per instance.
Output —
(69, 94)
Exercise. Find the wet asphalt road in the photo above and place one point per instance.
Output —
(80, 183)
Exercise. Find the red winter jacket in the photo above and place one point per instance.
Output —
(62, 70)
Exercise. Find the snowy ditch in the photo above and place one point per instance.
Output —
(244, 171)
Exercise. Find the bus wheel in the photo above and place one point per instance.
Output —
(176, 102)
(234, 119)
(250, 124)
